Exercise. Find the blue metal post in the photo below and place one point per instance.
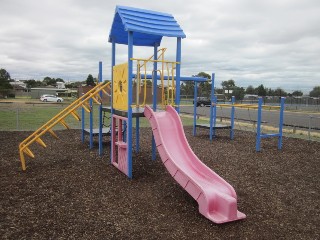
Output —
(82, 124)
(281, 122)
(113, 63)
(195, 97)
(137, 134)
(258, 134)
(178, 67)
(211, 104)
(129, 125)
(154, 99)
(233, 101)
(214, 117)
(91, 123)
(100, 112)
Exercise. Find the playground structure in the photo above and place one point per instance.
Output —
(213, 126)
(138, 27)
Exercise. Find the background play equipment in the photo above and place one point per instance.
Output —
(212, 126)
(259, 126)
(216, 198)
(91, 95)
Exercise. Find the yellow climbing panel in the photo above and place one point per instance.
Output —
(120, 87)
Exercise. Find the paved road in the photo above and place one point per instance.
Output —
(271, 117)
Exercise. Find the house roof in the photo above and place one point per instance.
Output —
(148, 27)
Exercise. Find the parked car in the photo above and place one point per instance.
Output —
(50, 98)
(203, 101)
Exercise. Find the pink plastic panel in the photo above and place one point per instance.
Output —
(119, 147)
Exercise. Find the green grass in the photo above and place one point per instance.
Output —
(29, 117)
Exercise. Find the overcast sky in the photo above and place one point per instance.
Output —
(275, 43)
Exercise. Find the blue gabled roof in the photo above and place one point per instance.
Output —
(148, 27)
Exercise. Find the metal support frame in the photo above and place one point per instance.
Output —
(233, 101)
(129, 124)
(195, 97)
(154, 99)
(100, 112)
(259, 134)
(212, 109)
(91, 124)
(178, 67)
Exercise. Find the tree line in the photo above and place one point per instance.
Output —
(187, 88)
(229, 88)
(5, 80)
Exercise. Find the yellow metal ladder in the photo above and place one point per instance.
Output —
(60, 118)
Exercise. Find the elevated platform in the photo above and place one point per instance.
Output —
(95, 131)
(218, 126)
(136, 112)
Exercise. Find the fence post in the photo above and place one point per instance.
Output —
(309, 129)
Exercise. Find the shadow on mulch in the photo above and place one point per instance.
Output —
(69, 191)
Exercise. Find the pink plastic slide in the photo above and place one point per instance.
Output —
(216, 198)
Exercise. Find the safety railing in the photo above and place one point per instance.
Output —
(168, 67)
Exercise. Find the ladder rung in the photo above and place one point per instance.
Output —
(40, 142)
(93, 97)
(64, 124)
(53, 133)
(28, 152)
(76, 115)
(105, 92)
(98, 98)
(86, 106)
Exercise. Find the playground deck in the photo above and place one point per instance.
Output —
(69, 192)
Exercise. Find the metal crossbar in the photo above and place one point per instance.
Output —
(59, 118)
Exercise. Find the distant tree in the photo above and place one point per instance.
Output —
(204, 87)
(280, 92)
(238, 92)
(149, 82)
(297, 93)
(270, 92)
(230, 84)
(74, 84)
(4, 75)
(49, 81)
(5, 85)
(218, 91)
(261, 91)
(250, 90)
(315, 92)
(90, 81)
(187, 88)
(33, 83)
(204, 75)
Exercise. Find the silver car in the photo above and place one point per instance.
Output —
(51, 98)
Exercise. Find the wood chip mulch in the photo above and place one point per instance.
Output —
(70, 192)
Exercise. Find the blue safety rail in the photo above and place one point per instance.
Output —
(259, 134)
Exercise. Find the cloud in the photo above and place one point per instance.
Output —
(275, 43)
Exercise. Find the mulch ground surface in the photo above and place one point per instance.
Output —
(70, 192)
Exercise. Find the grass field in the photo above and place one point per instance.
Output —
(29, 117)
